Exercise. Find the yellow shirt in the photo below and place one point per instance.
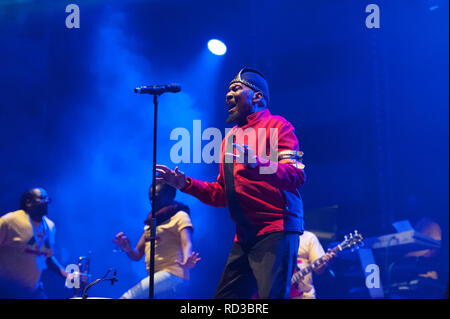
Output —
(168, 245)
(22, 257)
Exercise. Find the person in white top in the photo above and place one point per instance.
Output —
(309, 251)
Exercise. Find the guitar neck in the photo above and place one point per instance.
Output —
(316, 264)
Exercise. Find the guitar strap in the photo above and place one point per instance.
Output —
(245, 231)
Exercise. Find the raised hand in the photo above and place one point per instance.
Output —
(190, 262)
(174, 178)
(123, 242)
(245, 155)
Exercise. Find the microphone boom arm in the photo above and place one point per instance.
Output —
(113, 279)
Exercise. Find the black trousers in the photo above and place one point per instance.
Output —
(264, 265)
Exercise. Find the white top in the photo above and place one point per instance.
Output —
(309, 250)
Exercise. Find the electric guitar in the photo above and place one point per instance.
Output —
(351, 241)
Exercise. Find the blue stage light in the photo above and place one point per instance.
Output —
(217, 47)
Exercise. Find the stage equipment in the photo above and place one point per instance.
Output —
(156, 90)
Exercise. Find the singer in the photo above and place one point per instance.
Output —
(267, 208)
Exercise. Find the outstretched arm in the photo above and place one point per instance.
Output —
(55, 266)
(174, 178)
(124, 243)
(209, 193)
(190, 258)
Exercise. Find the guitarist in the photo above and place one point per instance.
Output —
(309, 250)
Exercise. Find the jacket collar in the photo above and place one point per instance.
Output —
(257, 116)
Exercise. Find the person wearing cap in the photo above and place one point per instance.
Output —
(260, 190)
(26, 240)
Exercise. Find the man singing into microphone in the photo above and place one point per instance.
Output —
(261, 193)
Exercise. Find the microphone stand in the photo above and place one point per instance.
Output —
(155, 91)
(113, 279)
(151, 293)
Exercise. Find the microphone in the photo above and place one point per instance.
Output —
(158, 89)
(114, 278)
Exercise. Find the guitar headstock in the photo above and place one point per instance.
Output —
(352, 241)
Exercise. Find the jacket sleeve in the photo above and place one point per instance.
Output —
(209, 193)
(285, 174)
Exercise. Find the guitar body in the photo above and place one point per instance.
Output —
(295, 292)
(299, 288)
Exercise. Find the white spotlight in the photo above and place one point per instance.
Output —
(217, 47)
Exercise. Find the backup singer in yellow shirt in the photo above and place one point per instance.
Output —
(27, 237)
(173, 247)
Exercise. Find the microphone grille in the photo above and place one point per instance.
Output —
(174, 87)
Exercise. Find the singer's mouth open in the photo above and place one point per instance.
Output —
(231, 106)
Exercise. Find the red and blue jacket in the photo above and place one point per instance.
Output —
(259, 203)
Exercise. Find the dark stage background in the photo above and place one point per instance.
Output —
(370, 108)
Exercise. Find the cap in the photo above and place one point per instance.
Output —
(254, 80)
